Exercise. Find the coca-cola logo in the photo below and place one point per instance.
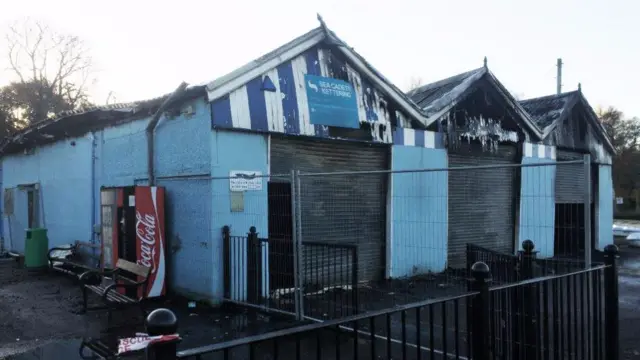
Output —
(146, 233)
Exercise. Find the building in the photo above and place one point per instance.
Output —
(572, 127)
(256, 118)
(313, 105)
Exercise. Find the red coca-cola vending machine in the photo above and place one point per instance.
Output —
(133, 228)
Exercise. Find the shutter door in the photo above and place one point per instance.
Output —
(570, 179)
(343, 209)
(481, 202)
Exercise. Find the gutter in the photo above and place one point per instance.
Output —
(151, 128)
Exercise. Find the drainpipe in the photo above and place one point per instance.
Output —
(151, 128)
(94, 213)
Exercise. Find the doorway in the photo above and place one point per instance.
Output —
(569, 230)
(280, 236)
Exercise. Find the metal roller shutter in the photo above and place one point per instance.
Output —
(343, 209)
(570, 178)
(481, 201)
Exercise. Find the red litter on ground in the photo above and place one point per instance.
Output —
(142, 341)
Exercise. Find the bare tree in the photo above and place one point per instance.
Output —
(51, 69)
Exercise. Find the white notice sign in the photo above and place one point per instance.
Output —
(245, 180)
(619, 200)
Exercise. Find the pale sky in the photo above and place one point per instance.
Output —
(146, 48)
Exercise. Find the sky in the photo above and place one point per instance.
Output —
(143, 49)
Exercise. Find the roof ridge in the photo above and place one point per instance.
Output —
(545, 97)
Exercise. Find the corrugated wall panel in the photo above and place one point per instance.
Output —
(570, 178)
(481, 201)
(346, 209)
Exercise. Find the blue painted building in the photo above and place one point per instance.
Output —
(310, 106)
(269, 117)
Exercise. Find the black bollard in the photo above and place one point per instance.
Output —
(162, 322)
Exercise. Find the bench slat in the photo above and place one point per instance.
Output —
(133, 268)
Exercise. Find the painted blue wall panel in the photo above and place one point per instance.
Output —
(257, 105)
(289, 99)
(605, 206)
(188, 214)
(537, 205)
(182, 165)
(419, 211)
(123, 155)
(236, 151)
(221, 113)
(183, 143)
(63, 171)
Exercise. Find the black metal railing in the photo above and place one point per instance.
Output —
(261, 272)
(330, 277)
(504, 267)
(572, 315)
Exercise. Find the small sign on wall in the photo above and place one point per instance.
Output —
(245, 180)
(619, 200)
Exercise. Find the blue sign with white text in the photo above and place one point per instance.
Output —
(332, 102)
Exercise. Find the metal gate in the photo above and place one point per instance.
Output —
(326, 202)
(481, 200)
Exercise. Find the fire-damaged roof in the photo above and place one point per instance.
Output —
(438, 98)
(81, 121)
(322, 34)
(549, 111)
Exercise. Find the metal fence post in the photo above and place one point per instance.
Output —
(588, 249)
(254, 266)
(611, 325)
(162, 322)
(529, 305)
(226, 260)
(300, 258)
(480, 311)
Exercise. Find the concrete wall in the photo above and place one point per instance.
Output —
(605, 207)
(62, 170)
(418, 209)
(537, 199)
(246, 152)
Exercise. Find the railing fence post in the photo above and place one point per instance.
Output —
(480, 312)
(254, 266)
(528, 307)
(611, 307)
(162, 322)
(226, 260)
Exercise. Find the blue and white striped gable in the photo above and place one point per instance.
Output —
(418, 138)
(276, 101)
(539, 151)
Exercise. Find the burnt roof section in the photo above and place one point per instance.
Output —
(549, 111)
(78, 122)
(438, 98)
(428, 96)
(544, 111)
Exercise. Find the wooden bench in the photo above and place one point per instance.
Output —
(118, 288)
(69, 259)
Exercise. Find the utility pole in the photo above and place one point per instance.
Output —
(559, 77)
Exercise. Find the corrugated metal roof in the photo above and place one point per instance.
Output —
(547, 109)
(439, 97)
(117, 112)
(431, 98)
